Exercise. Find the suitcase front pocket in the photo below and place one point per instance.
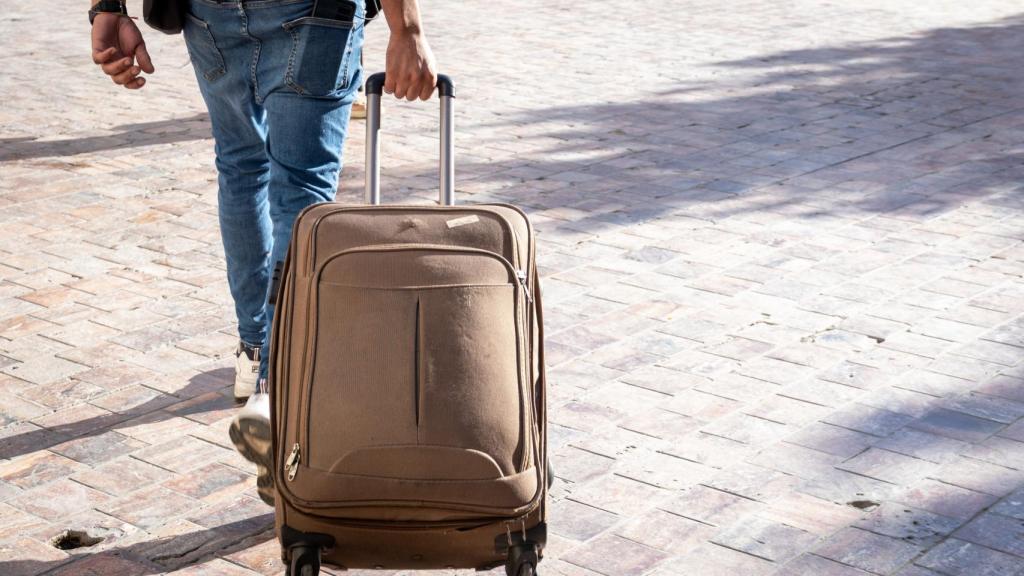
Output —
(415, 376)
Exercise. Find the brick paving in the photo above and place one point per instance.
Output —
(782, 245)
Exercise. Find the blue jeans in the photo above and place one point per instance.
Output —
(279, 85)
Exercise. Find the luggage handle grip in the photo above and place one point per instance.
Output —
(446, 160)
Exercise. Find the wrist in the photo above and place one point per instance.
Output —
(114, 7)
(107, 15)
(405, 31)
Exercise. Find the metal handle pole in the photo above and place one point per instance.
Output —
(372, 148)
(446, 161)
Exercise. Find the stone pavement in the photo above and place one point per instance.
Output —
(782, 252)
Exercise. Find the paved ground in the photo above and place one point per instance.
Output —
(782, 252)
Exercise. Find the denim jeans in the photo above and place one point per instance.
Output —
(279, 86)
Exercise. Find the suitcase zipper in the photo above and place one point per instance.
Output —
(480, 208)
(302, 434)
(521, 274)
(292, 464)
(527, 449)
(311, 268)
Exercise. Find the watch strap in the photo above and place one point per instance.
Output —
(108, 6)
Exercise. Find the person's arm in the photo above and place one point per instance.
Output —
(409, 63)
(118, 48)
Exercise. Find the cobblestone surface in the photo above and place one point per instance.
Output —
(782, 245)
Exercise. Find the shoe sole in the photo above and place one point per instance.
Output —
(251, 437)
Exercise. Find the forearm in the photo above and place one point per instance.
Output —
(403, 16)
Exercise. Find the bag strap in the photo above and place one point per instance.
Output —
(372, 9)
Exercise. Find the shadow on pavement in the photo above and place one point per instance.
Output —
(196, 127)
(197, 397)
(158, 556)
(817, 134)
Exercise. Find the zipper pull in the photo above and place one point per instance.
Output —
(292, 464)
(521, 274)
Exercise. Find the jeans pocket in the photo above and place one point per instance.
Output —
(320, 58)
(202, 48)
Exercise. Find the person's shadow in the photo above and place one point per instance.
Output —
(198, 396)
(195, 127)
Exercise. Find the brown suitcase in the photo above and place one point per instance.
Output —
(408, 388)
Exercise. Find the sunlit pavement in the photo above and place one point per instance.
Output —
(781, 246)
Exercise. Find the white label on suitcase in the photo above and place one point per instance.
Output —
(462, 221)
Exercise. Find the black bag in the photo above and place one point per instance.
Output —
(166, 16)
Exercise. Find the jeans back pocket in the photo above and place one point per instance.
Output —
(321, 53)
(202, 49)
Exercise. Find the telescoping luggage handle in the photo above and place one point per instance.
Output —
(446, 164)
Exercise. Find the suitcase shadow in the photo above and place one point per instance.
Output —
(157, 556)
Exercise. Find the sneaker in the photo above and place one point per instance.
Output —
(359, 107)
(247, 370)
(250, 433)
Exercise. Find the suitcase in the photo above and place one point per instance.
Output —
(408, 386)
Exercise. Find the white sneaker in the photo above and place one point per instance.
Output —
(250, 433)
(247, 370)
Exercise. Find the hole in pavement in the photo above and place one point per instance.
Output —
(864, 504)
(71, 539)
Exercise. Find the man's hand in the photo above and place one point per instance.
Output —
(409, 63)
(409, 67)
(118, 48)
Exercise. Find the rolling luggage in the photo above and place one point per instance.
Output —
(407, 382)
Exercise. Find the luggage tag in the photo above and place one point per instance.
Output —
(456, 222)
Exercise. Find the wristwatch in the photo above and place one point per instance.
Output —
(108, 6)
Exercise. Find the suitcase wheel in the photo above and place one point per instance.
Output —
(305, 561)
(522, 560)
